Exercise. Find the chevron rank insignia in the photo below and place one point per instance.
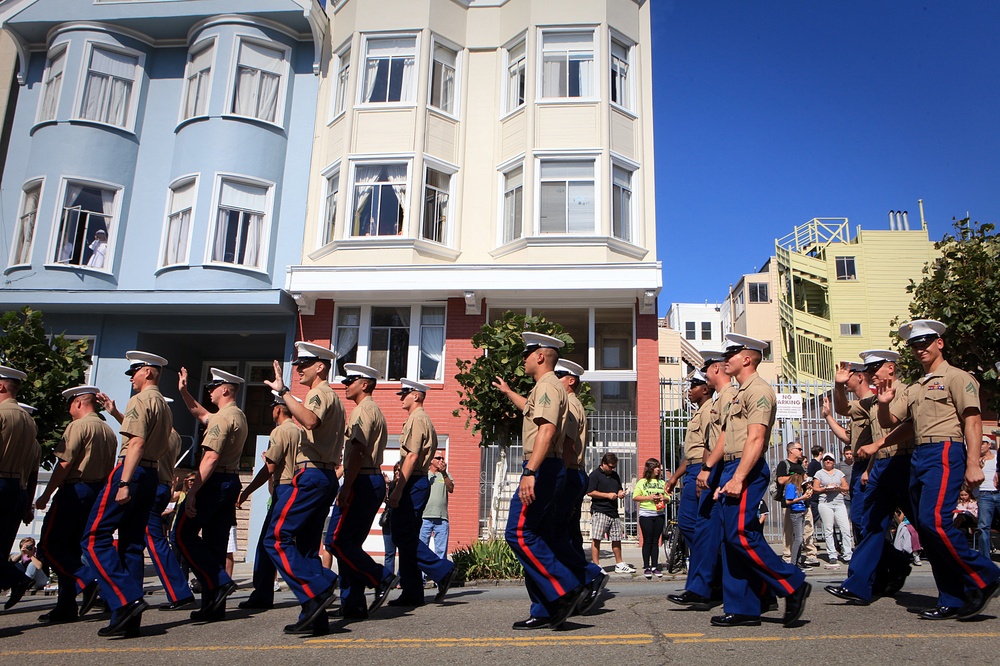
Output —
(764, 403)
(970, 388)
(315, 401)
(132, 413)
(545, 401)
(212, 432)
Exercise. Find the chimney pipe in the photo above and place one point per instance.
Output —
(892, 221)
(906, 220)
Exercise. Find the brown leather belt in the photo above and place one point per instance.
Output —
(316, 465)
(729, 457)
(148, 464)
(937, 440)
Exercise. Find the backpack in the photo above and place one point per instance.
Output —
(773, 490)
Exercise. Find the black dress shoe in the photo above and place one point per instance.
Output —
(125, 614)
(89, 597)
(894, 582)
(180, 604)
(17, 591)
(444, 585)
(795, 603)
(406, 602)
(594, 590)
(254, 604)
(735, 620)
(694, 601)
(311, 610)
(532, 623)
(978, 601)
(939, 613)
(565, 605)
(768, 605)
(382, 591)
(57, 616)
(349, 614)
(220, 594)
(208, 615)
(843, 593)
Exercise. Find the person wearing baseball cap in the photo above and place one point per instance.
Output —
(17, 451)
(85, 455)
(210, 505)
(748, 420)
(361, 497)
(944, 406)
(293, 543)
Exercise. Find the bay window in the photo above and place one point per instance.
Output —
(199, 81)
(178, 225)
(241, 234)
(379, 199)
(85, 226)
(390, 70)
(259, 72)
(567, 203)
(107, 91)
(568, 64)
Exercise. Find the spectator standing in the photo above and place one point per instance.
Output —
(435, 519)
(831, 486)
(796, 493)
(815, 465)
(604, 487)
(792, 464)
(648, 494)
(989, 498)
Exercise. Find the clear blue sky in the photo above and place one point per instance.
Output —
(769, 113)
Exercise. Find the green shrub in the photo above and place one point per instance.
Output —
(492, 559)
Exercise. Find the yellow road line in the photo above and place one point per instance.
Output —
(839, 637)
(475, 640)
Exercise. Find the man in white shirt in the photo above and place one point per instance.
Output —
(989, 498)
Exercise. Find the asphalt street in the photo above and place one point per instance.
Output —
(635, 625)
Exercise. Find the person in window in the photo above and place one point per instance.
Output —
(98, 249)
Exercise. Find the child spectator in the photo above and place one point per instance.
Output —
(797, 491)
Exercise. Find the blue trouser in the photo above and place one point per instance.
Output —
(856, 512)
(162, 555)
(296, 531)
(989, 504)
(529, 530)
(114, 567)
(264, 570)
(389, 548)
(414, 555)
(62, 530)
(937, 475)
(705, 543)
(346, 539)
(439, 528)
(887, 490)
(13, 504)
(203, 539)
(749, 564)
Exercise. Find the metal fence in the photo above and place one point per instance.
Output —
(810, 430)
(500, 472)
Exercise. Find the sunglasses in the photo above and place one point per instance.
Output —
(347, 381)
(528, 352)
(441, 459)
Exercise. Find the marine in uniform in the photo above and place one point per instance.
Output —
(85, 457)
(296, 529)
(125, 501)
(360, 498)
(417, 446)
(750, 568)
(944, 407)
(17, 451)
(852, 377)
(876, 567)
(553, 587)
(278, 471)
(210, 506)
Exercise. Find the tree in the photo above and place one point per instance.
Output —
(960, 289)
(53, 365)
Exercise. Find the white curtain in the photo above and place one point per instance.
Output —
(27, 224)
(199, 78)
(245, 102)
(431, 349)
(267, 108)
(109, 86)
(252, 241)
(365, 178)
(221, 228)
(397, 176)
(53, 83)
(371, 76)
(585, 74)
(408, 90)
(554, 76)
(347, 339)
(178, 225)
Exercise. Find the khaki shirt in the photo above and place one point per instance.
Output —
(755, 403)
(148, 416)
(859, 412)
(17, 439)
(936, 402)
(226, 434)
(696, 437)
(547, 401)
(88, 444)
(878, 432)
(576, 428)
(282, 449)
(165, 470)
(366, 431)
(31, 464)
(419, 437)
(717, 413)
(325, 442)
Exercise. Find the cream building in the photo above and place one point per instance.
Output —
(751, 308)
(838, 294)
(476, 156)
(678, 357)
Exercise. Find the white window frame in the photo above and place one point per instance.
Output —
(449, 231)
(168, 213)
(58, 50)
(363, 65)
(330, 175)
(540, 52)
(629, 89)
(756, 286)
(19, 226)
(233, 73)
(848, 276)
(456, 92)
(109, 257)
(540, 160)
(848, 330)
(509, 95)
(631, 234)
(134, 95)
(352, 185)
(504, 172)
(265, 227)
(413, 348)
(341, 84)
(196, 49)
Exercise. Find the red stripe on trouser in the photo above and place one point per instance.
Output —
(92, 538)
(741, 523)
(151, 546)
(187, 554)
(938, 523)
(531, 556)
(286, 565)
(339, 553)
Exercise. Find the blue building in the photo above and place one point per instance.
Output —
(156, 179)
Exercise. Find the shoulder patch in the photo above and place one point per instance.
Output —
(315, 401)
(764, 403)
(970, 388)
(132, 413)
(213, 431)
(545, 401)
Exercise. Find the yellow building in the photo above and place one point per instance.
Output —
(838, 294)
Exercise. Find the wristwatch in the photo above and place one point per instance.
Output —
(528, 472)
(284, 390)
(123, 484)
(706, 468)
